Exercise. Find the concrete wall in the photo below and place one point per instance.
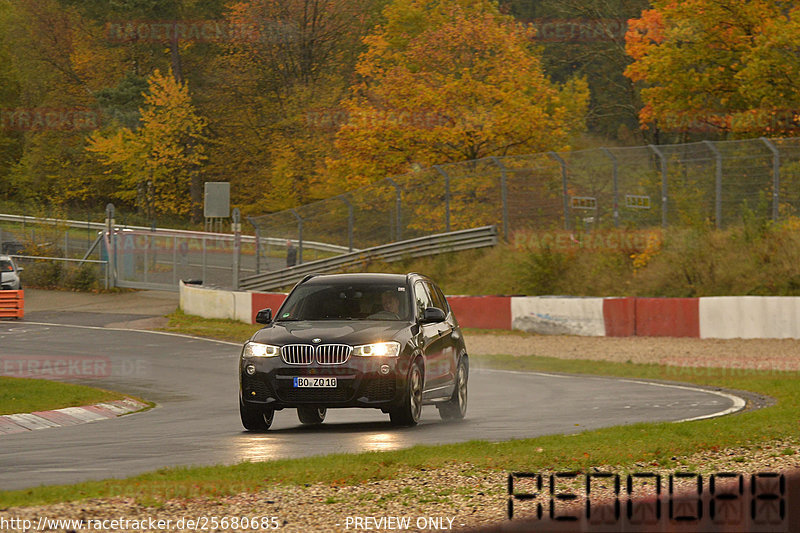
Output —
(748, 317)
(482, 312)
(558, 316)
(212, 303)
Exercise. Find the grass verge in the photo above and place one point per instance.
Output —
(22, 395)
(212, 328)
(622, 446)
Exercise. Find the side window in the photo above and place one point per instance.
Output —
(438, 298)
(421, 298)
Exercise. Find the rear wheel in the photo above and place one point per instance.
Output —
(255, 418)
(456, 407)
(311, 415)
(409, 411)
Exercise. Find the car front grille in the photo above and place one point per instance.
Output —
(326, 354)
(333, 354)
(297, 354)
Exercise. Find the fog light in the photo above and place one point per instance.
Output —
(250, 369)
(384, 369)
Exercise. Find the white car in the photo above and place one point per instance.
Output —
(9, 274)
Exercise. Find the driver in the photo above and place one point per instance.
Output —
(390, 302)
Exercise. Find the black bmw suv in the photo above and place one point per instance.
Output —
(386, 341)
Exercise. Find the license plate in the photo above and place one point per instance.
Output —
(322, 383)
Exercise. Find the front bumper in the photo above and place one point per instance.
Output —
(360, 383)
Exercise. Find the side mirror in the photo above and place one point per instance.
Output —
(432, 315)
(264, 316)
(20, 269)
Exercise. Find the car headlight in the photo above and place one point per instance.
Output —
(380, 349)
(256, 349)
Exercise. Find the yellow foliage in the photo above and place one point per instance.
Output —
(450, 81)
(155, 164)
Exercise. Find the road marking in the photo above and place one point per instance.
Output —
(137, 331)
(738, 403)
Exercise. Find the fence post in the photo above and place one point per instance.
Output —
(664, 191)
(258, 249)
(717, 183)
(174, 260)
(615, 178)
(146, 255)
(503, 193)
(111, 246)
(343, 198)
(564, 192)
(399, 208)
(204, 261)
(776, 176)
(258, 245)
(299, 236)
(441, 171)
(237, 246)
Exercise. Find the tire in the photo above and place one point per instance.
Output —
(311, 415)
(410, 409)
(256, 418)
(456, 407)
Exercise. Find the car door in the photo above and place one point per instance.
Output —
(431, 343)
(448, 333)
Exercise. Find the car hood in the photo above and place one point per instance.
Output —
(334, 331)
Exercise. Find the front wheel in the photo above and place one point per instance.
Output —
(255, 418)
(311, 415)
(456, 407)
(409, 411)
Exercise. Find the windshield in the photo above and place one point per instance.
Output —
(354, 301)
(6, 266)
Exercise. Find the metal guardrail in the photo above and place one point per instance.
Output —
(419, 247)
(100, 226)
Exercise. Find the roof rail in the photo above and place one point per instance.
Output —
(308, 277)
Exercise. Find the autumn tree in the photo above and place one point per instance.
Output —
(451, 80)
(721, 65)
(287, 66)
(157, 167)
(53, 61)
(587, 38)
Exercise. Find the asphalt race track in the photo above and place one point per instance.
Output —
(194, 383)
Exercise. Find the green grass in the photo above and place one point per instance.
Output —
(622, 447)
(226, 330)
(22, 395)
